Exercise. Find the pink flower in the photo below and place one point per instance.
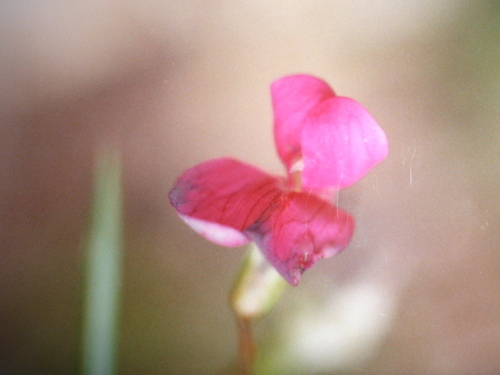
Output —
(326, 143)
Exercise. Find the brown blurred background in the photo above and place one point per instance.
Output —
(177, 82)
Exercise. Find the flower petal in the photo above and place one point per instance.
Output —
(220, 198)
(293, 97)
(219, 234)
(297, 230)
(341, 142)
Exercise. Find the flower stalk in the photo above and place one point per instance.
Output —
(255, 292)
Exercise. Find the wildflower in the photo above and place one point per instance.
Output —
(326, 143)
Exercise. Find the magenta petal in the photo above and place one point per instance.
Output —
(293, 97)
(220, 198)
(341, 142)
(297, 230)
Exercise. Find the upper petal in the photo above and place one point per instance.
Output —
(298, 229)
(293, 97)
(220, 198)
(341, 142)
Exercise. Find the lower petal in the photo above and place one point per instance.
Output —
(217, 233)
(297, 230)
(220, 198)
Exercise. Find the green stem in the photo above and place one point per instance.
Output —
(103, 270)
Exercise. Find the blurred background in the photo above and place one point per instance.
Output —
(173, 83)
